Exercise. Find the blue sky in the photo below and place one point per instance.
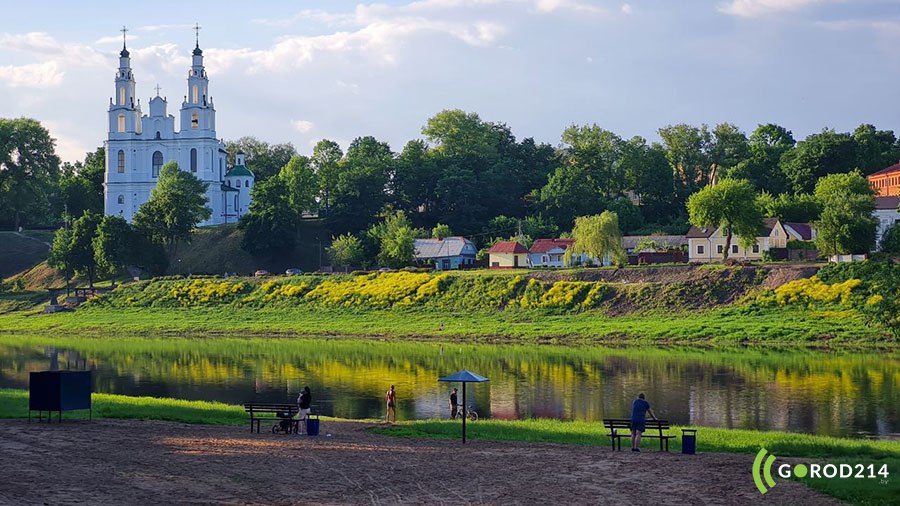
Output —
(302, 71)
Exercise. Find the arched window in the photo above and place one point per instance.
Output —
(157, 135)
(157, 163)
(193, 159)
(238, 183)
(121, 199)
(247, 183)
(195, 120)
(235, 203)
(121, 122)
(196, 94)
(121, 95)
(121, 162)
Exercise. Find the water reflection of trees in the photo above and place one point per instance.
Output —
(828, 393)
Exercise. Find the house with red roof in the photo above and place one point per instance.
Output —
(548, 252)
(886, 182)
(508, 255)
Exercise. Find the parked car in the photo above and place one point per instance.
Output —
(261, 273)
(293, 272)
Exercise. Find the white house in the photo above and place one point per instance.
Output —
(887, 215)
(138, 145)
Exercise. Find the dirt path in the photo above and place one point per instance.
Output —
(128, 462)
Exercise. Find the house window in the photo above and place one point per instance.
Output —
(734, 248)
(756, 248)
(121, 161)
(121, 122)
(193, 159)
(195, 120)
(121, 199)
(157, 163)
(700, 249)
(720, 249)
(776, 232)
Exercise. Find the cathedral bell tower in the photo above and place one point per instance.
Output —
(198, 115)
(124, 112)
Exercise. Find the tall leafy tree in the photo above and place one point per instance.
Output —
(414, 182)
(347, 250)
(396, 239)
(29, 172)
(360, 190)
(81, 186)
(767, 145)
(827, 152)
(875, 149)
(686, 149)
(729, 205)
(846, 224)
(648, 174)
(728, 148)
(264, 159)
(441, 231)
(175, 207)
(598, 152)
(60, 257)
(270, 225)
(112, 245)
(597, 236)
(301, 183)
(83, 261)
(802, 207)
(325, 161)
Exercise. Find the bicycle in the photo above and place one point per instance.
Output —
(469, 413)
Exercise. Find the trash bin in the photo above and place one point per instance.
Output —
(689, 441)
(312, 425)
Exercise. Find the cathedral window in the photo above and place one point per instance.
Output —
(157, 135)
(121, 200)
(157, 163)
(195, 120)
(121, 161)
(235, 203)
(196, 94)
(238, 183)
(193, 159)
(247, 183)
(220, 169)
(121, 126)
(121, 95)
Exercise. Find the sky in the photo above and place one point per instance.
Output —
(295, 71)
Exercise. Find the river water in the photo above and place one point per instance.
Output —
(831, 393)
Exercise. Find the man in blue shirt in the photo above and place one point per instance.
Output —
(639, 409)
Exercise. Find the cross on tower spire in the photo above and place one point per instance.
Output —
(197, 32)
(157, 89)
(124, 31)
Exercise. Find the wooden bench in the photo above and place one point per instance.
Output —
(259, 411)
(616, 425)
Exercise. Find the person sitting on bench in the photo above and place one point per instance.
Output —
(639, 409)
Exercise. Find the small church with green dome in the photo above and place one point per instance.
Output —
(138, 145)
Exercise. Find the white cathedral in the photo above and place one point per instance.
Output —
(139, 145)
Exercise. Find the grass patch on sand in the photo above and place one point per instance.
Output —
(821, 449)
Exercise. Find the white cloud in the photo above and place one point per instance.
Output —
(32, 75)
(755, 8)
(302, 126)
(42, 44)
(626, 9)
(158, 28)
(113, 39)
(574, 5)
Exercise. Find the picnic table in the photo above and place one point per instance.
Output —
(617, 425)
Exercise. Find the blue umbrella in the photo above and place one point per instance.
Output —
(464, 377)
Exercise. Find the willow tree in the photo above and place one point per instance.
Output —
(731, 206)
(598, 237)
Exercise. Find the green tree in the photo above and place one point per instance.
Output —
(81, 186)
(729, 205)
(597, 236)
(83, 262)
(441, 231)
(767, 145)
(301, 183)
(60, 257)
(818, 155)
(112, 245)
(890, 241)
(846, 224)
(263, 159)
(396, 239)
(728, 148)
(648, 174)
(359, 193)
(687, 149)
(29, 172)
(270, 225)
(457, 133)
(875, 149)
(325, 161)
(347, 250)
(598, 152)
(802, 207)
(175, 207)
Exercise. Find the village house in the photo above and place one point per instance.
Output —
(508, 255)
(446, 253)
(886, 182)
(708, 244)
(548, 252)
(887, 215)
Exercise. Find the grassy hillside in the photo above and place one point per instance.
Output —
(728, 305)
(22, 251)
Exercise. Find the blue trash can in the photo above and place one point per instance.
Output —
(689, 441)
(312, 425)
